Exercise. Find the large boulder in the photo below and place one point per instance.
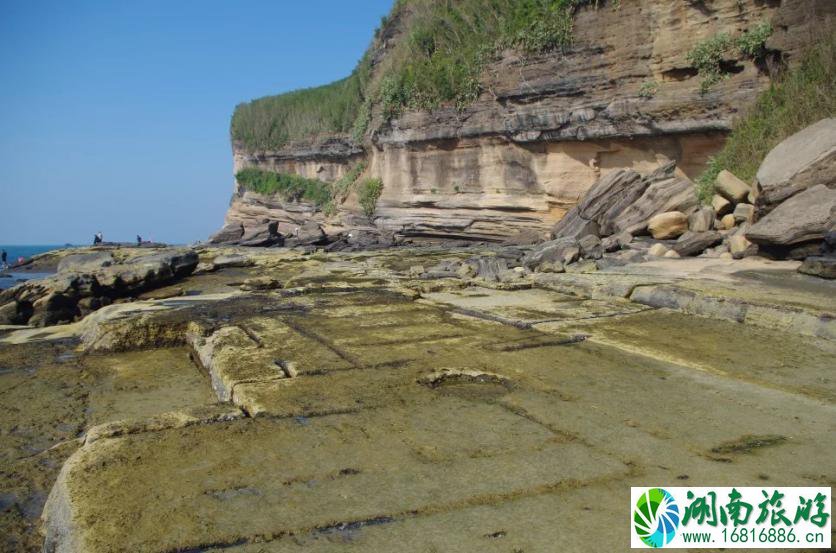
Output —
(693, 243)
(606, 200)
(591, 247)
(731, 187)
(820, 266)
(804, 160)
(701, 220)
(667, 225)
(564, 250)
(805, 217)
(587, 217)
(309, 234)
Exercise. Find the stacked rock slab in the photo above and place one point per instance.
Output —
(797, 224)
(804, 160)
(797, 197)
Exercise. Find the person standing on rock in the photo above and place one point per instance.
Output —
(97, 238)
(5, 257)
(138, 240)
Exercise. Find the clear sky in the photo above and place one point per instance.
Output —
(114, 114)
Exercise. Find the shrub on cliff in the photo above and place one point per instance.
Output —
(344, 184)
(368, 193)
(795, 100)
(708, 56)
(291, 187)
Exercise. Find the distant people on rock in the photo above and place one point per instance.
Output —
(97, 239)
(5, 258)
(138, 240)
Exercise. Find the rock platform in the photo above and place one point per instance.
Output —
(367, 405)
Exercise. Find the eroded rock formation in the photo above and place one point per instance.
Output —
(623, 96)
(87, 282)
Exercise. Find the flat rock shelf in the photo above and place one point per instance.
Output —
(360, 404)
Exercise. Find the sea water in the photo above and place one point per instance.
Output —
(10, 277)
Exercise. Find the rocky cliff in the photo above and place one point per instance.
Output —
(627, 93)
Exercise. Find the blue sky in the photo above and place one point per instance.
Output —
(114, 115)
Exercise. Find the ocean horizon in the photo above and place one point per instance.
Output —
(16, 251)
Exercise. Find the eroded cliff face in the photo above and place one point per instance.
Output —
(546, 128)
(327, 161)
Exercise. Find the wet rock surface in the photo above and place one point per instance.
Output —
(377, 395)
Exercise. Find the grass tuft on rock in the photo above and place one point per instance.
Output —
(796, 99)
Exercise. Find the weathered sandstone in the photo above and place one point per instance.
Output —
(806, 216)
(805, 159)
(546, 129)
(670, 224)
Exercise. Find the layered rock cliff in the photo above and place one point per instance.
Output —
(624, 95)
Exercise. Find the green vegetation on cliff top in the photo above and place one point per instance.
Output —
(796, 99)
(438, 60)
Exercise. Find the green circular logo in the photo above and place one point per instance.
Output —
(656, 517)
